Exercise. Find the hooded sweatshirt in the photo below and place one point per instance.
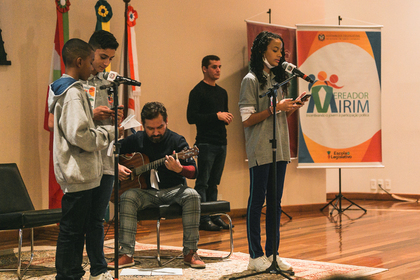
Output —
(77, 141)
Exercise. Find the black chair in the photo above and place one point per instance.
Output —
(18, 212)
(174, 211)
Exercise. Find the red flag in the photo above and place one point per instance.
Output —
(57, 69)
(133, 106)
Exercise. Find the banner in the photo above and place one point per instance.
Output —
(56, 70)
(341, 124)
(288, 34)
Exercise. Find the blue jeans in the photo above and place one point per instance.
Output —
(83, 214)
(260, 189)
(211, 161)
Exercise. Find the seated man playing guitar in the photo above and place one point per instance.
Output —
(168, 185)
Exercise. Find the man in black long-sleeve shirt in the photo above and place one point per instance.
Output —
(157, 142)
(208, 110)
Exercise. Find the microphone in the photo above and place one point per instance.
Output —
(114, 77)
(291, 69)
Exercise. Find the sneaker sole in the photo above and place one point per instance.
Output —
(288, 268)
(254, 269)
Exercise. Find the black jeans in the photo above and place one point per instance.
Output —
(83, 214)
(211, 162)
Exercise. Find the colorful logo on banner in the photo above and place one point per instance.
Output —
(327, 98)
(341, 123)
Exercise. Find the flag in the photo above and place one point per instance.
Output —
(103, 15)
(103, 12)
(56, 70)
(133, 106)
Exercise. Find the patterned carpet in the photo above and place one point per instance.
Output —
(43, 265)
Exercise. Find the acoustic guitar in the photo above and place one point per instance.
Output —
(140, 167)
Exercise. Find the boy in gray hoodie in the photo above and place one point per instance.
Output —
(77, 164)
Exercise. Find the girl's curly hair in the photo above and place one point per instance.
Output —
(259, 47)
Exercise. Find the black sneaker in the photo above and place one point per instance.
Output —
(209, 226)
(219, 222)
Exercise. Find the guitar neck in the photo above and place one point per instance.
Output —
(152, 165)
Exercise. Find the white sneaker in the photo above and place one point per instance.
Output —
(281, 263)
(259, 264)
(102, 276)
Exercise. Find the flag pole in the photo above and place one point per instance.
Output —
(116, 183)
(125, 87)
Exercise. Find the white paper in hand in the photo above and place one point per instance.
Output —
(130, 122)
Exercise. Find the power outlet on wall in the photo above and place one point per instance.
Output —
(381, 184)
(373, 185)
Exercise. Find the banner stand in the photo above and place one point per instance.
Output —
(338, 199)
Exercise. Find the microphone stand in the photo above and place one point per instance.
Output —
(113, 88)
(274, 268)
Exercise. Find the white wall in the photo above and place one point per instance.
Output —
(172, 37)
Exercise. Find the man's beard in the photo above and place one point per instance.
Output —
(157, 138)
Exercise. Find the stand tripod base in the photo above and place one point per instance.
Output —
(273, 269)
(338, 199)
(339, 209)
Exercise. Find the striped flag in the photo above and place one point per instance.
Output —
(133, 106)
(56, 70)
